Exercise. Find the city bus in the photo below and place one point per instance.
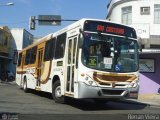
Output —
(89, 59)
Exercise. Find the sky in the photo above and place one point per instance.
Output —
(17, 16)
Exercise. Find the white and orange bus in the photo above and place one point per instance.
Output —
(90, 58)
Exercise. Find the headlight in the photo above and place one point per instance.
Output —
(89, 81)
(133, 84)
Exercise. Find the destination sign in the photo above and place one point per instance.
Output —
(109, 28)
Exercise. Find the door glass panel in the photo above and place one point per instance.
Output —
(69, 51)
(39, 67)
(72, 80)
(74, 49)
(68, 77)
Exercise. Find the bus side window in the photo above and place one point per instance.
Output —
(19, 59)
(33, 55)
(53, 48)
(60, 46)
(27, 59)
(49, 50)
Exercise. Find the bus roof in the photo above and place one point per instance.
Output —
(69, 27)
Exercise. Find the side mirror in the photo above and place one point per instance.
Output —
(80, 40)
(140, 44)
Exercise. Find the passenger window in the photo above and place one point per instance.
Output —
(33, 55)
(19, 59)
(60, 46)
(27, 59)
(49, 49)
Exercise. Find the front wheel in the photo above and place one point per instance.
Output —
(56, 93)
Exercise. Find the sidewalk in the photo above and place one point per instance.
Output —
(153, 99)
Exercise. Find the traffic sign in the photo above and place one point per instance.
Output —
(51, 20)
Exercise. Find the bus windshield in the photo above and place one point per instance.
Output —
(109, 53)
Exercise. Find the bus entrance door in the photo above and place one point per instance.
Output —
(23, 61)
(71, 69)
(39, 67)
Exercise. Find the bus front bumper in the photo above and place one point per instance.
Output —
(86, 91)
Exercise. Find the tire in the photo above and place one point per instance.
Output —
(25, 89)
(56, 93)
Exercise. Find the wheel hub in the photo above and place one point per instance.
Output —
(58, 92)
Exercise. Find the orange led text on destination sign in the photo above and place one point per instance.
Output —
(110, 29)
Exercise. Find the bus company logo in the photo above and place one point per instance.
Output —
(113, 84)
(4, 117)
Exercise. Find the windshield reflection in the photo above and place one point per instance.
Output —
(109, 53)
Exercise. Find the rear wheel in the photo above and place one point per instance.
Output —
(56, 93)
(25, 85)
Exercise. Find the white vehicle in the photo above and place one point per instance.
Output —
(90, 58)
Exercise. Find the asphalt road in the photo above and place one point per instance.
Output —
(39, 105)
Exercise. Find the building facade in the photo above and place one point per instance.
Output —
(5, 47)
(11, 41)
(21, 38)
(144, 16)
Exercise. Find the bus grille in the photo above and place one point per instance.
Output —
(107, 79)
